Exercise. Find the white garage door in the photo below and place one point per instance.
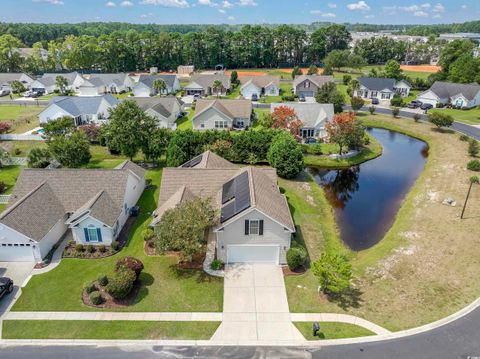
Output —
(253, 254)
(16, 252)
(428, 100)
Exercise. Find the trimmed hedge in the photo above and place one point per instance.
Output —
(96, 298)
(296, 257)
(131, 263)
(121, 284)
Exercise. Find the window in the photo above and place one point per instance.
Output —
(202, 125)
(374, 93)
(254, 226)
(125, 207)
(92, 235)
(221, 124)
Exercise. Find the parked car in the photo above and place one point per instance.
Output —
(196, 97)
(301, 98)
(310, 141)
(254, 97)
(415, 104)
(375, 101)
(426, 106)
(4, 92)
(6, 286)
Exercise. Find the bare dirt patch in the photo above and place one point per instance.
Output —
(421, 68)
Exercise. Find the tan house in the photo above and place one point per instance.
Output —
(222, 114)
(254, 223)
(308, 85)
(254, 87)
(203, 85)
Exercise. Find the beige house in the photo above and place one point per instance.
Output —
(167, 110)
(254, 223)
(203, 85)
(222, 114)
(308, 85)
(258, 86)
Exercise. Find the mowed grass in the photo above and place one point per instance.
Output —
(21, 118)
(165, 287)
(185, 123)
(93, 329)
(471, 116)
(9, 175)
(332, 330)
(425, 267)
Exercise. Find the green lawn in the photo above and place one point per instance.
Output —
(8, 175)
(471, 116)
(93, 329)
(165, 287)
(185, 123)
(332, 330)
(123, 96)
(21, 118)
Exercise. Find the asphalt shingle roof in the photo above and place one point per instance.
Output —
(77, 106)
(165, 106)
(377, 83)
(148, 80)
(318, 80)
(260, 81)
(448, 89)
(231, 108)
(310, 113)
(8, 77)
(206, 81)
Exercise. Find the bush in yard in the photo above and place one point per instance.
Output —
(357, 103)
(79, 247)
(90, 287)
(440, 120)
(148, 234)
(473, 148)
(395, 112)
(296, 257)
(102, 248)
(121, 284)
(474, 165)
(372, 109)
(416, 117)
(347, 79)
(397, 101)
(464, 138)
(103, 280)
(4, 127)
(3, 187)
(96, 298)
(131, 263)
(90, 248)
(115, 245)
(285, 156)
(39, 158)
(333, 272)
(216, 264)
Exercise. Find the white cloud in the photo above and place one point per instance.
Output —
(322, 14)
(420, 14)
(437, 16)
(126, 3)
(369, 16)
(206, 2)
(426, 5)
(439, 8)
(247, 3)
(464, 6)
(221, 11)
(361, 5)
(166, 3)
(226, 4)
(231, 18)
(332, 5)
(52, 2)
(110, 4)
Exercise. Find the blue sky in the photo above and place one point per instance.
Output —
(241, 11)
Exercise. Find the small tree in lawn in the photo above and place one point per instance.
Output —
(395, 112)
(334, 273)
(345, 131)
(155, 143)
(312, 70)
(285, 155)
(159, 85)
(234, 78)
(183, 228)
(71, 151)
(357, 103)
(217, 87)
(39, 158)
(296, 72)
(416, 117)
(440, 119)
(473, 180)
(286, 118)
(473, 148)
(328, 93)
(372, 109)
(61, 83)
(17, 87)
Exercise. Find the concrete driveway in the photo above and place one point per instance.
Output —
(255, 306)
(18, 272)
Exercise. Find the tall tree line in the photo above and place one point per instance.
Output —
(251, 47)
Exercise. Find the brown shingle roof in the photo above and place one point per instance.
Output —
(260, 81)
(212, 160)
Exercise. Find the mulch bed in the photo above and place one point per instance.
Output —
(288, 272)
(197, 262)
(149, 250)
(109, 302)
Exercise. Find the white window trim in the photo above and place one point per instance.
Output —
(250, 226)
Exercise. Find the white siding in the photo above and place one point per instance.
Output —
(140, 90)
(10, 253)
(89, 222)
(234, 234)
(249, 90)
(52, 237)
(428, 97)
(89, 91)
(52, 112)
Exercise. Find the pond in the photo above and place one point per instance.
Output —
(367, 197)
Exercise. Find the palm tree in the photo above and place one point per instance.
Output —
(159, 86)
(62, 83)
(473, 180)
(217, 86)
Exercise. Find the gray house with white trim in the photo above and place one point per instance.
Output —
(381, 88)
(459, 95)
(145, 88)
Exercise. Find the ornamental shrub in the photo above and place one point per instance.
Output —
(103, 280)
(148, 234)
(115, 245)
(90, 248)
(91, 287)
(121, 284)
(397, 101)
(216, 264)
(96, 298)
(285, 155)
(473, 148)
(296, 257)
(416, 117)
(131, 263)
(102, 248)
(395, 112)
(79, 247)
(464, 138)
(474, 165)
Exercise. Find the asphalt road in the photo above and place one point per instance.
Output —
(459, 339)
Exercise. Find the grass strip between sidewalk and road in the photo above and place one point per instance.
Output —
(110, 329)
(332, 330)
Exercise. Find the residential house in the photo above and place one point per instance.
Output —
(26, 52)
(222, 114)
(313, 115)
(82, 110)
(254, 224)
(99, 84)
(47, 83)
(6, 79)
(202, 84)
(459, 95)
(93, 203)
(381, 88)
(144, 87)
(259, 86)
(308, 85)
(166, 109)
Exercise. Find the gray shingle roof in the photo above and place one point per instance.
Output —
(260, 81)
(77, 106)
(318, 80)
(8, 77)
(165, 106)
(148, 80)
(377, 83)
(231, 108)
(448, 89)
(70, 77)
(310, 113)
(206, 81)
(42, 197)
